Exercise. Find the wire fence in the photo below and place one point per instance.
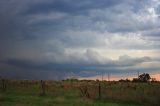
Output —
(119, 76)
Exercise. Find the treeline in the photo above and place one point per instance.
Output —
(145, 77)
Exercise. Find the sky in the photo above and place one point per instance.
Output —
(57, 39)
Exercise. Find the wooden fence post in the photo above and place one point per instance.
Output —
(4, 85)
(43, 86)
(99, 90)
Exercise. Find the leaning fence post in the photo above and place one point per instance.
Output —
(43, 87)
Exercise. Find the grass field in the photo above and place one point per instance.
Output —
(68, 93)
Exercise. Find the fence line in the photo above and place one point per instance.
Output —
(125, 75)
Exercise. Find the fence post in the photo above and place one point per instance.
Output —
(99, 90)
(43, 87)
(4, 85)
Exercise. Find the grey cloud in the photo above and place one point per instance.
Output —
(36, 34)
(85, 61)
(109, 16)
(90, 61)
(79, 69)
(130, 61)
(155, 33)
(71, 6)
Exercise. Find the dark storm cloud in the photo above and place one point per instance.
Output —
(83, 68)
(79, 64)
(12, 25)
(71, 6)
(16, 15)
(44, 35)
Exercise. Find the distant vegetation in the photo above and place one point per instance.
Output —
(145, 77)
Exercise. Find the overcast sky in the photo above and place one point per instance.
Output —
(55, 39)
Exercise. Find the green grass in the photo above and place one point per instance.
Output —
(27, 93)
